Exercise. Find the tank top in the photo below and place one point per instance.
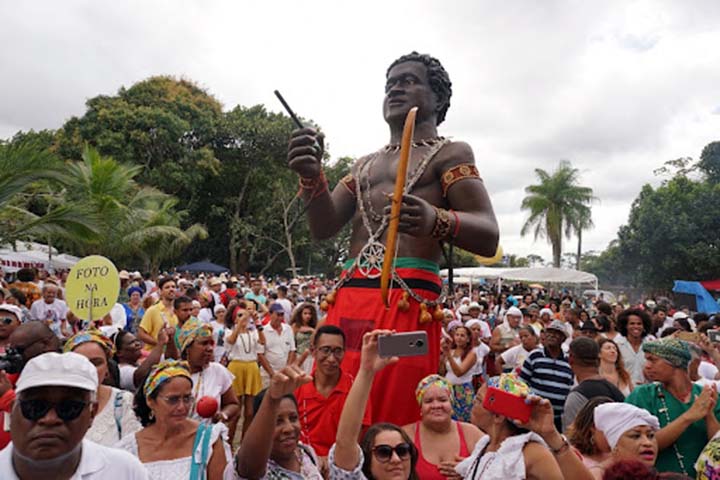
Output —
(427, 470)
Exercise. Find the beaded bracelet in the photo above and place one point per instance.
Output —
(443, 225)
(316, 186)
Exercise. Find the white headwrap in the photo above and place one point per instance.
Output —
(614, 419)
(472, 321)
(546, 310)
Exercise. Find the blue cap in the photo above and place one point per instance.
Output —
(276, 307)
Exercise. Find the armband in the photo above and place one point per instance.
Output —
(457, 173)
(348, 181)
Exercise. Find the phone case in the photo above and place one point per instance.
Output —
(506, 404)
(405, 344)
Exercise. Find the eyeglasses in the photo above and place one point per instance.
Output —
(336, 352)
(174, 400)
(383, 453)
(67, 410)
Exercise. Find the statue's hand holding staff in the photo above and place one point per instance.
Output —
(305, 152)
(417, 216)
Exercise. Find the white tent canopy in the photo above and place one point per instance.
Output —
(34, 255)
(534, 275)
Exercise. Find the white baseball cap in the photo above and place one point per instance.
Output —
(6, 307)
(58, 370)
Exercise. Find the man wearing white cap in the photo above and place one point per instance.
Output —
(507, 334)
(55, 405)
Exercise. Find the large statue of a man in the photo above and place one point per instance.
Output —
(444, 201)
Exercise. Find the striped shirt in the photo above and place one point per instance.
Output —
(550, 378)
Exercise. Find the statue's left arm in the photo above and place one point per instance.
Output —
(473, 224)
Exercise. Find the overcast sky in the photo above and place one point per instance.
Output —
(616, 87)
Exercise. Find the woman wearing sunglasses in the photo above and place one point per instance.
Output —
(172, 445)
(115, 417)
(386, 451)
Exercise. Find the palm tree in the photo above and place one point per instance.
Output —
(138, 223)
(583, 221)
(554, 204)
(27, 172)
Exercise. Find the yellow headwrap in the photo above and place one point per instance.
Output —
(164, 371)
(90, 335)
(432, 381)
(191, 330)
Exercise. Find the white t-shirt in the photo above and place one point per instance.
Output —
(126, 376)
(707, 370)
(514, 357)
(104, 429)
(96, 463)
(277, 346)
(211, 382)
(481, 351)
(219, 338)
(51, 313)
(454, 379)
(205, 315)
(245, 348)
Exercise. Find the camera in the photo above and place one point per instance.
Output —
(12, 361)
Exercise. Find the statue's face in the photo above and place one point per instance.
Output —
(407, 86)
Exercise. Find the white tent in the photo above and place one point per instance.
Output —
(534, 275)
(34, 255)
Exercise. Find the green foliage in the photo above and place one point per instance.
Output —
(557, 205)
(709, 162)
(461, 258)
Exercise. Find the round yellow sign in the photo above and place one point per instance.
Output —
(92, 287)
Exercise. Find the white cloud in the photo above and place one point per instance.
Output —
(616, 87)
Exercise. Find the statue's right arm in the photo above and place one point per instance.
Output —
(327, 211)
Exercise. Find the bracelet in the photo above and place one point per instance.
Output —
(443, 224)
(316, 186)
(260, 328)
(562, 448)
(456, 230)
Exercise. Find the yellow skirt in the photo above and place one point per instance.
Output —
(247, 377)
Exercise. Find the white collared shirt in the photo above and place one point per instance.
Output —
(96, 463)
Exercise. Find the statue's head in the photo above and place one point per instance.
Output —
(428, 72)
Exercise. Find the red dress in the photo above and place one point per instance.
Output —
(427, 470)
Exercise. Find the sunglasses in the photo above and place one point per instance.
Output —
(7, 320)
(337, 352)
(67, 410)
(383, 453)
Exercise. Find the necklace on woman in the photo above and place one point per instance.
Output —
(249, 344)
(664, 409)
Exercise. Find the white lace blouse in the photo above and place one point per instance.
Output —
(104, 429)
(507, 463)
(178, 468)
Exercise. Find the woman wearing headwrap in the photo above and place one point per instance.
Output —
(171, 445)
(115, 417)
(629, 431)
(511, 451)
(688, 413)
(134, 310)
(210, 379)
(438, 438)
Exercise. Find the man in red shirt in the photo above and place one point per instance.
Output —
(320, 402)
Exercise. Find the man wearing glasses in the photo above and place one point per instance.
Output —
(321, 401)
(55, 405)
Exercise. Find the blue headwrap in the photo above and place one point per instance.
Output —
(134, 289)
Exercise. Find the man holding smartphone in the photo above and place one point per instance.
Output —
(445, 201)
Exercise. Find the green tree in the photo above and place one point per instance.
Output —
(709, 162)
(553, 204)
(137, 223)
(28, 173)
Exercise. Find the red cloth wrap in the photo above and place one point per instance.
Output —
(358, 310)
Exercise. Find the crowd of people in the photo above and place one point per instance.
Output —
(204, 376)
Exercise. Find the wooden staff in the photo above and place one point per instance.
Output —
(392, 235)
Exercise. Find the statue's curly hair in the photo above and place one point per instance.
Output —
(437, 76)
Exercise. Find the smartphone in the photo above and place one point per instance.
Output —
(691, 337)
(714, 336)
(405, 344)
(506, 404)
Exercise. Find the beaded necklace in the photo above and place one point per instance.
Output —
(664, 410)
